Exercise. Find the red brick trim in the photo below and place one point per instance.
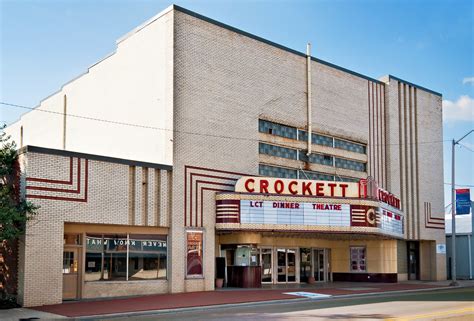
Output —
(44, 180)
(62, 190)
(202, 172)
(430, 221)
(71, 199)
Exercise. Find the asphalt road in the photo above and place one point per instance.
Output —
(451, 304)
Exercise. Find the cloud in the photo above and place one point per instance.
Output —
(468, 80)
(460, 110)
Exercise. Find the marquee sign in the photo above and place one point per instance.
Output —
(308, 214)
(365, 188)
(284, 186)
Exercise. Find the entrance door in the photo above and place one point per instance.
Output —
(319, 264)
(413, 260)
(286, 265)
(70, 273)
(266, 261)
(305, 264)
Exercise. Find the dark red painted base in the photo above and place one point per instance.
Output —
(366, 277)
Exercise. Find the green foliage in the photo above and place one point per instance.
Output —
(14, 212)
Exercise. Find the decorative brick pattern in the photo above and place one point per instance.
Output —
(105, 202)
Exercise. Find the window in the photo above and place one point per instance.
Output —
(277, 151)
(315, 176)
(350, 164)
(316, 158)
(273, 171)
(358, 259)
(194, 243)
(352, 147)
(347, 179)
(271, 128)
(147, 258)
(125, 257)
(316, 138)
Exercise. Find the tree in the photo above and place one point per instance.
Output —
(14, 212)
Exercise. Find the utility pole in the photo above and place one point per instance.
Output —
(453, 211)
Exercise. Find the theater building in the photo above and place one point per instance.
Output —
(195, 141)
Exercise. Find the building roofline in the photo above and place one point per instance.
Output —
(100, 158)
(271, 43)
(414, 85)
(293, 51)
(230, 28)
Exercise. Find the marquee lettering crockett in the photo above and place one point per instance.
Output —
(298, 187)
(301, 187)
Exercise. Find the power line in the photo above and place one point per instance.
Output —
(469, 149)
(174, 130)
(461, 185)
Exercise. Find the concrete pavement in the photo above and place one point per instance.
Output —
(199, 301)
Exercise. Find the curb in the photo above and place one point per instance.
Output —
(260, 303)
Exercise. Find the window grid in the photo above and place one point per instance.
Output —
(272, 128)
(350, 164)
(315, 175)
(347, 179)
(316, 158)
(352, 147)
(273, 171)
(276, 129)
(277, 151)
(316, 138)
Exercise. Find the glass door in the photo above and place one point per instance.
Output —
(266, 262)
(286, 265)
(281, 265)
(291, 265)
(305, 264)
(319, 264)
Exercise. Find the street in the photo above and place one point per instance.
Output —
(450, 304)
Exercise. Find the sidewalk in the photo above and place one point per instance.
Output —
(166, 302)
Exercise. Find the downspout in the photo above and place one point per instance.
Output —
(308, 95)
(64, 120)
(469, 238)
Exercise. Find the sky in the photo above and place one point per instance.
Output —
(46, 43)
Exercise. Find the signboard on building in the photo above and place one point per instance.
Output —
(310, 214)
(463, 201)
(441, 248)
(366, 188)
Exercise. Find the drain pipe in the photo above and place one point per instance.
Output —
(308, 95)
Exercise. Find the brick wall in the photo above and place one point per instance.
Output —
(81, 189)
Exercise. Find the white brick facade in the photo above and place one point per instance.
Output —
(213, 84)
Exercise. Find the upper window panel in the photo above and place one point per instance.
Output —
(316, 138)
(350, 164)
(277, 151)
(352, 147)
(276, 129)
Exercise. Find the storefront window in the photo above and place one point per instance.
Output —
(194, 243)
(358, 259)
(106, 257)
(147, 257)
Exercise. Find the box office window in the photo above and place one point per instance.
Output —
(358, 259)
(125, 257)
(194, 261)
